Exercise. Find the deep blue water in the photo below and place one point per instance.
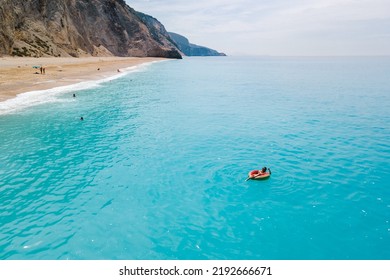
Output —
(157, 168)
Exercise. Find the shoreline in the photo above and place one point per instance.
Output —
(17, 75)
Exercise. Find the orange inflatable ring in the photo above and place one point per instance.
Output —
(257, 175)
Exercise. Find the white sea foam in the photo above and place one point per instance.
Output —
(37, 97)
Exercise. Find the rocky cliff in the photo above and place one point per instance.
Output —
(191, 49)
(80, 28)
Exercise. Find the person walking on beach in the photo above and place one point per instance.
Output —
(40, 68)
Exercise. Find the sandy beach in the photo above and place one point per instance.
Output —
(22, 74)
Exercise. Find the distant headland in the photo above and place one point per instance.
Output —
(190, 49)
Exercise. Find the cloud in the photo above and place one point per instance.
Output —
(278, 27)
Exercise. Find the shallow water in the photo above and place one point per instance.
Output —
(157, 168)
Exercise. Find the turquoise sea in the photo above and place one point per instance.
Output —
(157, 168)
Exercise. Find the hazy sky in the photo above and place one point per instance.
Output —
(278, 27)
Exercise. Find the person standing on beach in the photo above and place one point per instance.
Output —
(40, 68)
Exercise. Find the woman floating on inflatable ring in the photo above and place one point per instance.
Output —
(259, 174)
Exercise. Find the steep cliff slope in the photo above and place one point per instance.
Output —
(191, 49)
(79, 28)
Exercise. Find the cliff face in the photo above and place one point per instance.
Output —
(191, 49)
(156, 29)
(80, 28)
